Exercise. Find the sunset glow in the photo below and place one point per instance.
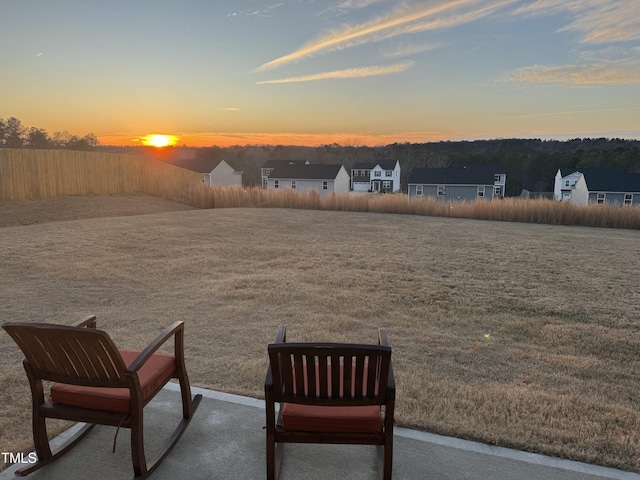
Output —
(155, 140)
(355, 72)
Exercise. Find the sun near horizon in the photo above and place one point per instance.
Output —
(157, 140)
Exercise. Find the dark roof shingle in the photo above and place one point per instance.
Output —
(306, 172)
(604, 180)
(471, 175)
(200, 165)
(384, 164)
(282, 163)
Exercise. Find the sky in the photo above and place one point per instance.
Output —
(312, 72)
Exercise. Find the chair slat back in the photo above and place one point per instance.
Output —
(330, 373)
(67, 354)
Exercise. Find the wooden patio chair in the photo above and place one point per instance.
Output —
(98, 384)
(329, 393)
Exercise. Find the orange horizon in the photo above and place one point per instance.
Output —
(295, 139)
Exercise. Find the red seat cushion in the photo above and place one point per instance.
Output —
(311, 418)
(152, 376)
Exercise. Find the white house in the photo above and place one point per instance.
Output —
(214, 172)
(565, 180)
(324, 178)
(597, 186)
(382, 176)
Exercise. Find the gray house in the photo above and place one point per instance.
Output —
(271, 165)
(458, 183)
(324, 178)
(597, 186)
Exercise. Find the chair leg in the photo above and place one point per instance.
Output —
(388, 460)
(40, 437)
(271, 459)
(274, 460)
(137, 448)
(385, 460)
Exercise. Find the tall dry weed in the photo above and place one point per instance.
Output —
(542, 211)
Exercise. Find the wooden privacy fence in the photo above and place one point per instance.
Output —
(29, 174)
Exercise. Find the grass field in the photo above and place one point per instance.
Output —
(521, 335)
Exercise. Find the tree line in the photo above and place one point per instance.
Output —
(530, 164)
(15, 135)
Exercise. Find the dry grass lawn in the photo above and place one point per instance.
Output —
(520, 335)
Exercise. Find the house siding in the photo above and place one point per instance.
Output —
(614, 197)
(224, 175)
(456, 193)
(301, 185)
(340, 183)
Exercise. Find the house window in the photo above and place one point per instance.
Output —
(441, 190)
(355, 173)
(496, 179)
(480, 191)
(601, 198)
(386, 184)
(293, 184)
(325, 185)
(267, 171)
(363, 172)
(378, 173)
(388, 173)
(567, 183)
(497, 192)
(628, 199)
(276, 184)
(419, 190)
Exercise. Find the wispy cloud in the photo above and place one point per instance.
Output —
(602, 73)
(355, 4)
(231, 109)
(263, 11)
(407, 50)
(401, 22)
(347, 73)
(598, 21)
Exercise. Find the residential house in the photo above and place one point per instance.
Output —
(565, 180)
(382, 176)
(458, 183)
(214, 172)
(324, 178)
(597, 186)
(268, 167)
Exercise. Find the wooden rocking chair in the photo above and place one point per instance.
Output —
(98, 384)
(329, 393)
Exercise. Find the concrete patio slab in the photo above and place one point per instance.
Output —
(226, 441)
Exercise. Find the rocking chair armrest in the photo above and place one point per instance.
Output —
(391, 383)
(281, 336)
(268, 380)
(382, 338)
(89, 322)
(176, 329)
